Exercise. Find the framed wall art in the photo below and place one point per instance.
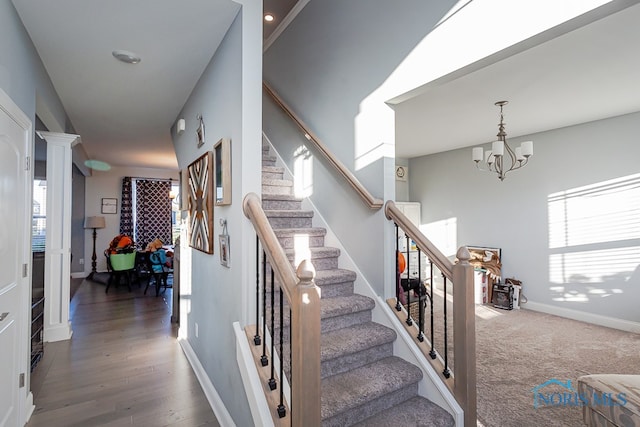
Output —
(109, 206)
(201, 203)
(224, 250)
(222, 171)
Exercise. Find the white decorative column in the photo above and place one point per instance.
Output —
(57, 264)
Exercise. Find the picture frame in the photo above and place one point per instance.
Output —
(222, 171)
(200, 205)
(489, 259)
(200, 130)
(225, 255)
(109, 205)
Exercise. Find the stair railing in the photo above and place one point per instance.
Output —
(368, 199)
(303, 297)
(461, 275)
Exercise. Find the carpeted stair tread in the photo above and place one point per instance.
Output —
(273, 169)
(286, 213)
(271, 182)
(337, 275)
(338, 306)
(416, 411)
(360, 393)
(322, 258)
(295, 237)
(354, 346)
(281, 197)
(335, 313)
(313, 231)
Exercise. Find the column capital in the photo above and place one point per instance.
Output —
(60, 138)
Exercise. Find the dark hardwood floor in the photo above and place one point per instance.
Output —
(123, 366)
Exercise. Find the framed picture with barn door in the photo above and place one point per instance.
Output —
(222, 171)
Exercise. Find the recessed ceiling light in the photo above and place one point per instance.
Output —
(124, 56)
(269, 17)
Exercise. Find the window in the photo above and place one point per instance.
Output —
(39, 224)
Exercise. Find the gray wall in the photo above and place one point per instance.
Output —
(514, 214)
(77, 220)
(333, 56)
(215, 299)
(22, 74)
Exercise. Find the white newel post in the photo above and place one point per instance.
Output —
(57, 264)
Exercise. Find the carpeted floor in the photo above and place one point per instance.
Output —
(521, 349)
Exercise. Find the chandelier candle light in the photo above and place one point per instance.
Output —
(495, 159)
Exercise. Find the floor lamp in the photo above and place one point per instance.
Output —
(94, 222)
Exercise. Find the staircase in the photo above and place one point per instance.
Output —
(363, 383)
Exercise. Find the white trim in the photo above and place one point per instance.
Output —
(29, 406)
(79, 275)
(295, 10)
(220, 411)
(25, 399)
(596, 319)
(251, 381)
(58, 332)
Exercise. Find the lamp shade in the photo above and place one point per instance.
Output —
(94, 222)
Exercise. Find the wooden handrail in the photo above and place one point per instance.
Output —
(464, 326)
(443, 263)
(252, 207)
(369, 200)
(304, 298)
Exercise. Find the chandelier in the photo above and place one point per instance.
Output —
(495, 160)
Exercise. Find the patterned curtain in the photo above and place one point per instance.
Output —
(153, 212)
(126, 210)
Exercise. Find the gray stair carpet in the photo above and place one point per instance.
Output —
(363, 383)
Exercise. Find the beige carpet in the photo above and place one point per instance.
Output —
(520, 349)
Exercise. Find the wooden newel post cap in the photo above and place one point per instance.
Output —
(306, 272)
(463, 255)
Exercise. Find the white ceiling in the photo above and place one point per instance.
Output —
(124, 112)
(590, 73)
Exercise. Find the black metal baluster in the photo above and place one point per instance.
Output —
(421, 299)
(446, 372)
(281, 409)
(409, 319)
(256, 338)
(432, 352)
(398, 305)
(272, 380)
(264, 360)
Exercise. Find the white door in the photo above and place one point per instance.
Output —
(13, 217)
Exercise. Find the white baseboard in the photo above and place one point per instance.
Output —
(61, 332)
(220, 411)
(596, 319)
(29, 408)
(79, 275)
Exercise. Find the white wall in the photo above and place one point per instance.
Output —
(228, 98)
(514, 215)
(109, 184)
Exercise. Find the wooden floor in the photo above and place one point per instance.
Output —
(123, 366)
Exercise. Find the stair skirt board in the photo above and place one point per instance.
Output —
(430, 385)
(260, 410)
